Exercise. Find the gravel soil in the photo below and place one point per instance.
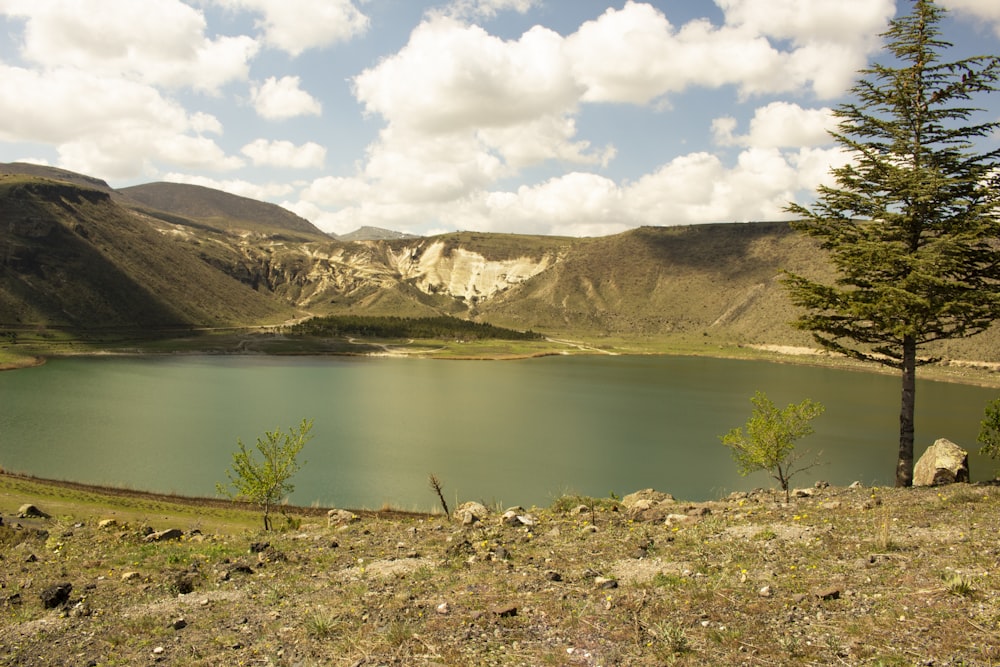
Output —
(836, 576)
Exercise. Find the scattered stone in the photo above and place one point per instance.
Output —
(552, 575)
(158, 650)
(443, 608)
(830, 593)
(130, 576)
(271, 555)
(605, 583)
(337, 517)
(648, 505)
(56, 595)
(804, 493)
(509, 518)
(31, 558)
(164, 535)
(580, 509)
(765, 592)
(799, 598)
(505, 610)
(944, 462)
(178, 624)
(29, 511)
(471, 512)
(856, 485)
(463, 548)
(238, 568)
(107, 523)
(184, 583)
(649, 495)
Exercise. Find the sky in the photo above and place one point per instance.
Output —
(560, 117)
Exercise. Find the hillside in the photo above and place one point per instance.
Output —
(222, 211)
(81, 255)
(72, 257)
(838, 576)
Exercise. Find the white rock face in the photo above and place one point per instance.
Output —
(464, 273)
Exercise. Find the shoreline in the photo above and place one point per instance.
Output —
(201, 501)
(958, 371)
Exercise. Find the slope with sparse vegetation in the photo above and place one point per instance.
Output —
(77, 255)
(859, 576)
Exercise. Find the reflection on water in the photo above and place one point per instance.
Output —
(515, 432)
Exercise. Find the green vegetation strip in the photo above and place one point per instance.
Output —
(407, 327)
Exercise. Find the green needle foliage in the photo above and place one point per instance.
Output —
(989, 431)
(913, 224)
(769, 441)
(264, 481)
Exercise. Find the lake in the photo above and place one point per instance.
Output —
(507, 432)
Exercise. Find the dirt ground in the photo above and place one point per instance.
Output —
(848, 576)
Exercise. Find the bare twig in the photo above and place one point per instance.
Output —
(436, 487)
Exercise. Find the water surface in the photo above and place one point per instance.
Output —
(512, 432)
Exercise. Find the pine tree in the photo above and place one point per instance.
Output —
(913, 224)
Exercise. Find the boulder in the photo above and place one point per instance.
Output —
(944, 462)
(56, 595)
(471, 512)
(647, 498)
(29, 511)
(337, 517)
(164, 535)
(648, 505)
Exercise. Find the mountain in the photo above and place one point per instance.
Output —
(221, 211)
(55, 174)
(76, 253)
(71, 256)
(374, 234)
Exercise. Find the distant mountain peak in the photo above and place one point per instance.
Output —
(368, 233)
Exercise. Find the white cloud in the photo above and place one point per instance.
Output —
(813, 166)
(278, 99)
(238, 187)
(465, 108)
(285, 154)
(842, 21)
(452, 76)
(635, 55)
(408, 166)
(158, 42)
(690, 189)
(110, 127)
(336, 191)
(304, 24)
(987, 10)
(778, 125)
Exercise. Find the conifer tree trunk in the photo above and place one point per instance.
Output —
(904, 464)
